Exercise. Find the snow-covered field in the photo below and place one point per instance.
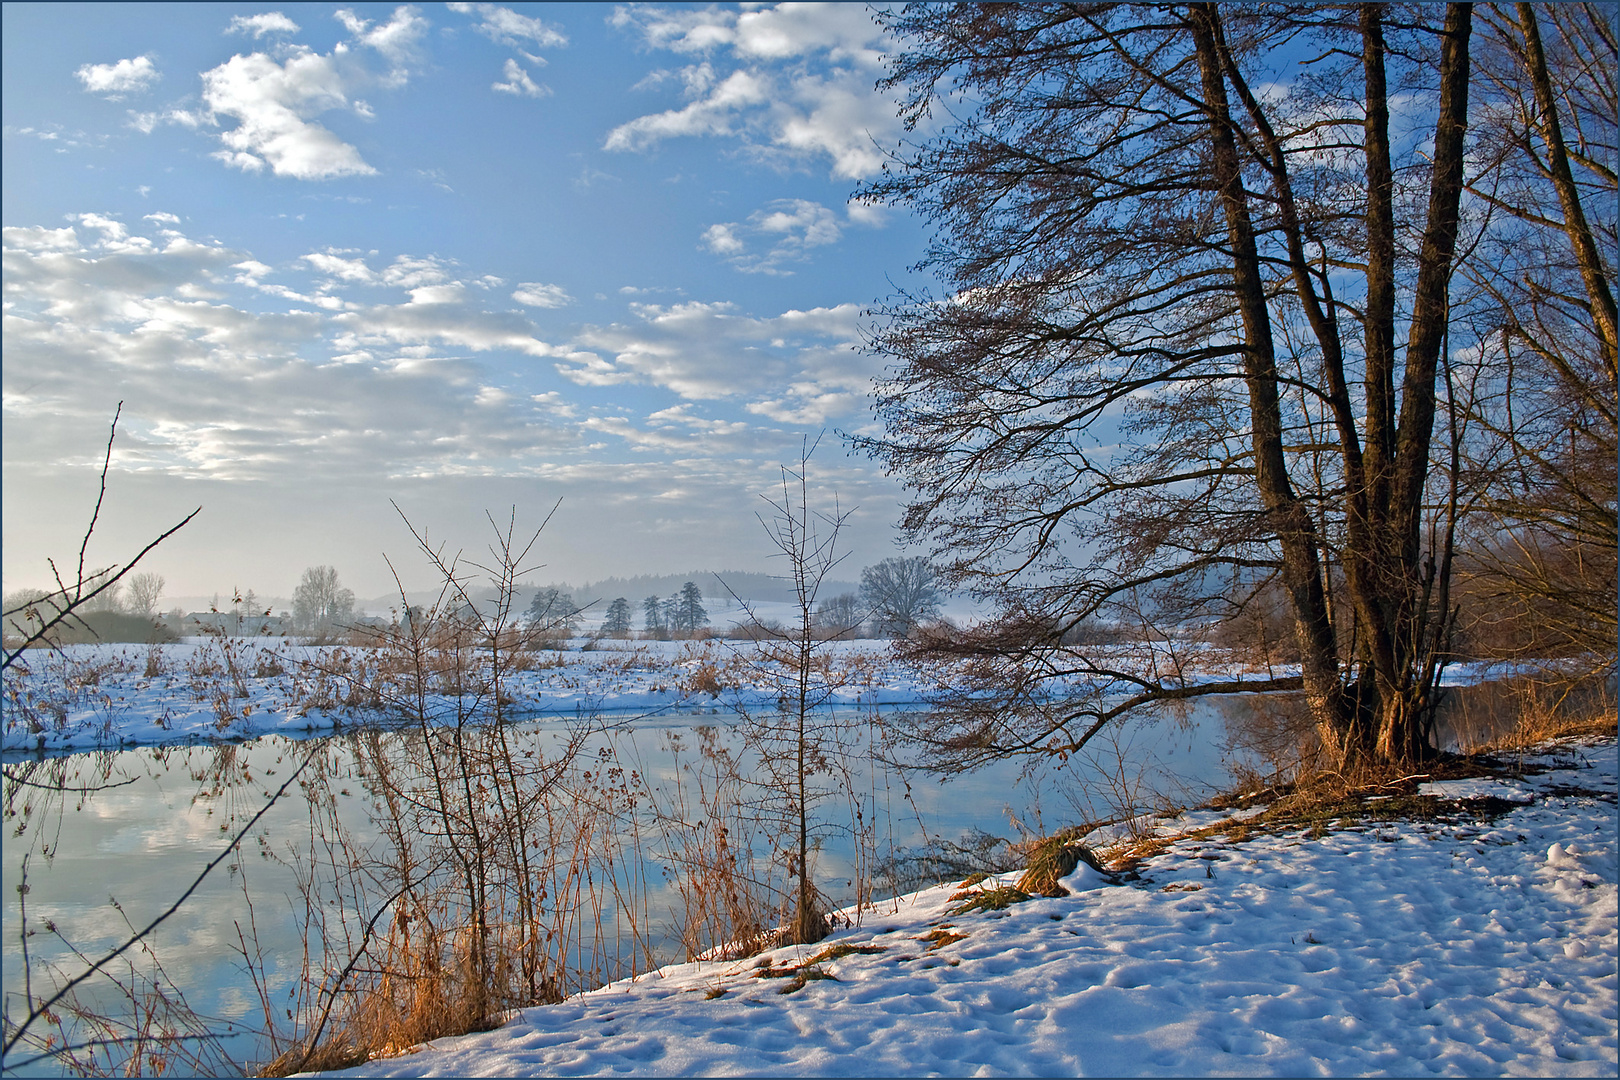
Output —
(107, 696)
(1479, 946)
(98, 696)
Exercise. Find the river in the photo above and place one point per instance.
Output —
(110, 840)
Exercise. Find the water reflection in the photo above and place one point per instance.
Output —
(598, 849)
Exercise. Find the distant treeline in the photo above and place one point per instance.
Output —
(749, 586)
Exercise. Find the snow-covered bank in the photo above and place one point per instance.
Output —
(1481, 945)
(104, 696)
(86, 697)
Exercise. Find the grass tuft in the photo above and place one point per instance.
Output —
(1051, 860)
(803, 976)
(941, 938)
(839, 951)
(995, 899)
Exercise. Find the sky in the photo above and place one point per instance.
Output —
(464, 258)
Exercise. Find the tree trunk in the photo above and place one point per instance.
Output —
(1403, 691)
(1575, 225)
(1296, 533)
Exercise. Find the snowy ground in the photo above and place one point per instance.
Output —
(97, 696)
(1484, 945)
(106, 696)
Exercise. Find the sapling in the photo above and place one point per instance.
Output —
(790, 743)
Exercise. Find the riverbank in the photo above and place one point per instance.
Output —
(85, 697)
(1469, 929)
(217, 690)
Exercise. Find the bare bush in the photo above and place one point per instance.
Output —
(501, 879)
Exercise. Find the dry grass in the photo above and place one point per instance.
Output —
(418, 997)
(1321, 801)
(1055, 858)
(941, 937)
(808, 970)
(511, 884)
(995, 899)
(1514, 713)
(1127, 857)
(711, 842)
(843, 949)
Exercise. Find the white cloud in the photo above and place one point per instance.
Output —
(835, 116)
(714, 114)
(451, 293)
(722, 239)
(162, 217)
(436, 178)
(518, 82)
(845, 32)
(116, 80)
(537, 295)
(275, 102)
(439, 315)
(351, 270)
(251, 271)
(867, 214)
(395, 40)
(271, 22)
(808, 70)
(791, 366)
(410, 272)
(35, 238)
(147, 122)
(790, 226)
(506, 27)
(811, 224)
(225, 391)
(111, 230)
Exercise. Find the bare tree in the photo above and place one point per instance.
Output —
(321, 603)
(1170, 349)
(900, 594)
(792, 744)
(1541, 570)
(841, 616)
(110, 599)
(144, 592)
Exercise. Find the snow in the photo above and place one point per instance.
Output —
(230, 689)
(292, 689)
(1476, 946)
(1481, 945)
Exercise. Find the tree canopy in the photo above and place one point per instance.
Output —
(321, 603)
(1195, 342)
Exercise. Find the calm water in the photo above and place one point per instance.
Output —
(111, 839)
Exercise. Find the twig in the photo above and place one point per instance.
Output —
(153, 925)
(77, 598)
(94, 1043)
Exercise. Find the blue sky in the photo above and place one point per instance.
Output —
(463, 257)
